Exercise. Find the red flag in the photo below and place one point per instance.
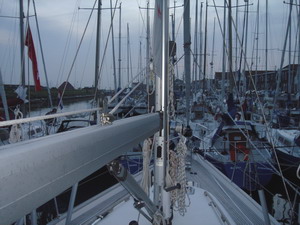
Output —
(32, 56)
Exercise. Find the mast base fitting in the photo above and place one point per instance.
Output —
(117, 170)
(139, 204)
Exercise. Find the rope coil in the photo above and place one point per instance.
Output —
(178, 176)
(147, 152)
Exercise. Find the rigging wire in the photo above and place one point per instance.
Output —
(99, 75)
(42, 54)
(10, 50)
(143, 20)
(263, 113)
(77, 51)
(67, 47)
(87, 57)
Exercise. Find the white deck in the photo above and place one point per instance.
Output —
(198, 212)
(232, 202)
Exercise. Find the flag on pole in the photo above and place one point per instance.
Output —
(32, 56)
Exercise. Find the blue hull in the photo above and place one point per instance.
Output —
(247, 175)
(287, 159)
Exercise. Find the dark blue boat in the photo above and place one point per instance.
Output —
(237, 151)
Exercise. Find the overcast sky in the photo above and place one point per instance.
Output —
(62, 24)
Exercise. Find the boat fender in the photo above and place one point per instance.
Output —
(133, 222)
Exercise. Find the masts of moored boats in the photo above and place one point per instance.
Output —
(187, 56)
(224, 54)
(298, 68)
(22, 45)
(246, 44)
(201, 42)
(140, 61)
(42, 54)
(22, 42)
(195, 58)
(212, 56)
(128, 55)
(119, 85)
(231, 78)
(266, 43)
(279, 73)
(205, 47)
(113, 46)
(290, 52)
(148, 47)
(257, 38)
(97, 68)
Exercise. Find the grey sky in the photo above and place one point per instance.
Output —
(55, 20)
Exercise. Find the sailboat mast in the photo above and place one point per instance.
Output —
(22, 43)
(279, 72)
(236, 35)
(224, 54)
(298, 68)
(148, 46)
(266, 51)
(120, 47)
(246, 42)
(161, 65)
(22, 50)
(166, 199)
(257, 37)
(165, 70)
(3, 97)
(97, 71)
(173, 35)
(187, 56)
(201, 35)
(290, 52)
(205, 46)
(212, 55)
(231, 80)
(113, 46)
(42, 54)
(140, 62)
(196, 45)
(128, 54)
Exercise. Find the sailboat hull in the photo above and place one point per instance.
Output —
(288, 163)
(247, 175)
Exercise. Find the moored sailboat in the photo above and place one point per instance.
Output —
(44, 169)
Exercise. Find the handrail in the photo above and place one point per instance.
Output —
(37, 118)
(122, 101)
